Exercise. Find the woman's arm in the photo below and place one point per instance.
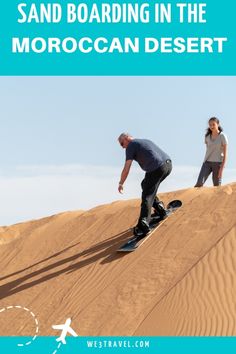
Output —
(225, 152)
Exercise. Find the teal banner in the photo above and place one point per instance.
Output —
(117, 38)
(145, 345)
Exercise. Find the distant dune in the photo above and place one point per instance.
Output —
(180, 282)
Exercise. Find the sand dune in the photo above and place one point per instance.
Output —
(181, 282)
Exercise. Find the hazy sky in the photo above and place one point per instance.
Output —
(58, 136)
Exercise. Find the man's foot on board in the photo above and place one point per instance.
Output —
(142, 229)
(160, 211)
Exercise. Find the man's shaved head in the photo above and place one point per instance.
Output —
(124, 135)
(124, 139)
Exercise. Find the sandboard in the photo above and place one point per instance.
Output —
(137, 241)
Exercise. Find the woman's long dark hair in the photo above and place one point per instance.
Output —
(216, 120)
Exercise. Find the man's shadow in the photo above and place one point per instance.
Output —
(106, 249)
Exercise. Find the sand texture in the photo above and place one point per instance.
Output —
(180, 282)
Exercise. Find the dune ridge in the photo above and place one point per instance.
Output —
(181, 282)
(203, 302)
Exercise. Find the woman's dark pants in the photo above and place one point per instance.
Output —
(208, 168)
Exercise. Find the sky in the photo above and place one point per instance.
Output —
(59, 147)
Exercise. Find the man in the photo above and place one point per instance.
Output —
(157, 165)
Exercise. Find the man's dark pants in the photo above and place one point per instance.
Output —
(150, 186)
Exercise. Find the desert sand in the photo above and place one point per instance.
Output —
(180, 282)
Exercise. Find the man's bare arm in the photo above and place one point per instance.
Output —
(124, 174)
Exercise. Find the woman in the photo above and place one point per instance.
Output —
(216, 154)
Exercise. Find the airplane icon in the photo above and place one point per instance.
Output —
(65, 328)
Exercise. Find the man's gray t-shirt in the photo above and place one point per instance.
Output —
(148, 155)
(214, 151)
